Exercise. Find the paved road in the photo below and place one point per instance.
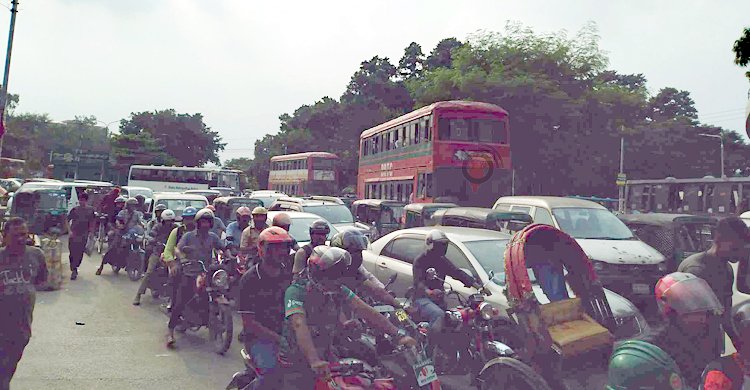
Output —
(120, 346)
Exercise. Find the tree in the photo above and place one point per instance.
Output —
(185, 137)
(742, 50)
(412, 63)
(442, 55)
(129, 149)
(672, 104)
(373, 85)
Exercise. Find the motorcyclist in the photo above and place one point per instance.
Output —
(116, 247)
(141, 202)
(218, 227)
(732, 372)
(319, 231)
(692, 313)
(312, 307)
(359, 278)
(132, 216)
(204, 244)
(158, 210)
(119, 205)
(283, 221)
(429, 296)
(261, 299)
(242, 221)
(156, 241)
(636, 365)
(188, 225)
(249, 239)
(107, 205)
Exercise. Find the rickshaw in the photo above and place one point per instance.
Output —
(482, 218)
(384, 216)
(226, 206)
(421, 214)
(569, 339)
(676, 236)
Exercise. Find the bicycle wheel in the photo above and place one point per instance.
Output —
(100, 239)
(511, 374)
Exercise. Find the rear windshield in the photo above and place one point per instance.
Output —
(300, 229)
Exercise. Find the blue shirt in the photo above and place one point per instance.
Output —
(234, 230)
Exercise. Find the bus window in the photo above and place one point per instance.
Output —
(709, 196)
(644, 197)
(427, 132)
(428, 184)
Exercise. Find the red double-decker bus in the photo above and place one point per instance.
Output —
(454, 151)
(311, 173)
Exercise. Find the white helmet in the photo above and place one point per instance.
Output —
(436, 237)
(206, 214)
(168, 215)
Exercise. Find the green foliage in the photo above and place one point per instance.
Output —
(140, 148)
(412, 63)
(741, 50)
(442, 55)
(184, 137)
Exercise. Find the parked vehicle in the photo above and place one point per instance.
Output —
(226, 207)
(176, 202)
(570, 339)
(421, 214)
(379, 216)
(623, 262)
(480, 253)
(209, 306)
(676, 236)
(482, 218)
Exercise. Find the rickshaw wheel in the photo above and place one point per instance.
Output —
(512, 374)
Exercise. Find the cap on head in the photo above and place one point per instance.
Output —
(132, 202)
(260, 211)
(160, 207)
(281, 219)
(244, 211)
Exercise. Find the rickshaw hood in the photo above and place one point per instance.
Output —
(620, 252)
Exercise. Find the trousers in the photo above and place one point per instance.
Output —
(76, 247)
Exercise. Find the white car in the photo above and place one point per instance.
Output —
(132, 192)
(300, 227)
(176, 202)
(479, 252)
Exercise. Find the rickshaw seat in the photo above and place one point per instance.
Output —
(572, 331)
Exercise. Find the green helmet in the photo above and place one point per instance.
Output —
(636, 364)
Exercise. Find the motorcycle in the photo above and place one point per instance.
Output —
(208, 306)
(135, 255)
(159, 283)
(234, 266)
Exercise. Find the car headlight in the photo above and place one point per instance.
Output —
(663, 266)
(599, 265)
(486, 311)
(220, 279)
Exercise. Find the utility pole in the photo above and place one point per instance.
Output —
(4, 92)
(621, 201)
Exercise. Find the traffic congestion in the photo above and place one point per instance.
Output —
(416, 281)
(515, 208)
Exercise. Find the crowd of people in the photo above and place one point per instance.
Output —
(291, 299)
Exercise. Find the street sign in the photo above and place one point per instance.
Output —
(621, 179)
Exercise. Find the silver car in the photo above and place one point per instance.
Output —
(479, 252)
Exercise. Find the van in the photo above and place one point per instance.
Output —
(623, 262)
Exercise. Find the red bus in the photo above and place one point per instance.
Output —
(453, 151)
(300, 174)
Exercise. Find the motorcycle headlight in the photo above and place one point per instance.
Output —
(486, 311)
(220, 279)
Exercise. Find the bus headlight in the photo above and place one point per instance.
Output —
(220, 279)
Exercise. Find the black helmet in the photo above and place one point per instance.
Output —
(132, 202)
(160, 207)
(351, 240)
(327, 265)
(741, 316)
(320, 226)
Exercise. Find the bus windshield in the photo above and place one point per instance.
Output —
(481, 130)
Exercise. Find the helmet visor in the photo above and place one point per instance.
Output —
(692, 296)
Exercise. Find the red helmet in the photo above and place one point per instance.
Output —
(271, 236)
(683, 293)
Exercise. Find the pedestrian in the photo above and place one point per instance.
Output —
(729, 239)
(82, 220)
(22, 268)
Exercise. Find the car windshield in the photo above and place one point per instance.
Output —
(52, 200)
(491, 256)
(333, 213)
(177, 205)
(267, 200)
(585, 223)
(300, 229)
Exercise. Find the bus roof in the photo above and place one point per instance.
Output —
(183, 168)
(297, 156)
(707, 179)
(451, 104)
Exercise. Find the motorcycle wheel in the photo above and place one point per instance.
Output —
(221, 329)
(511, 374)
(135, 265)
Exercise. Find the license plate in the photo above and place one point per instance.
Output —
(640, 288)
(401, 315)
(425, 372)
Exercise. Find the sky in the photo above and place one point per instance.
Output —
(242, 63)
